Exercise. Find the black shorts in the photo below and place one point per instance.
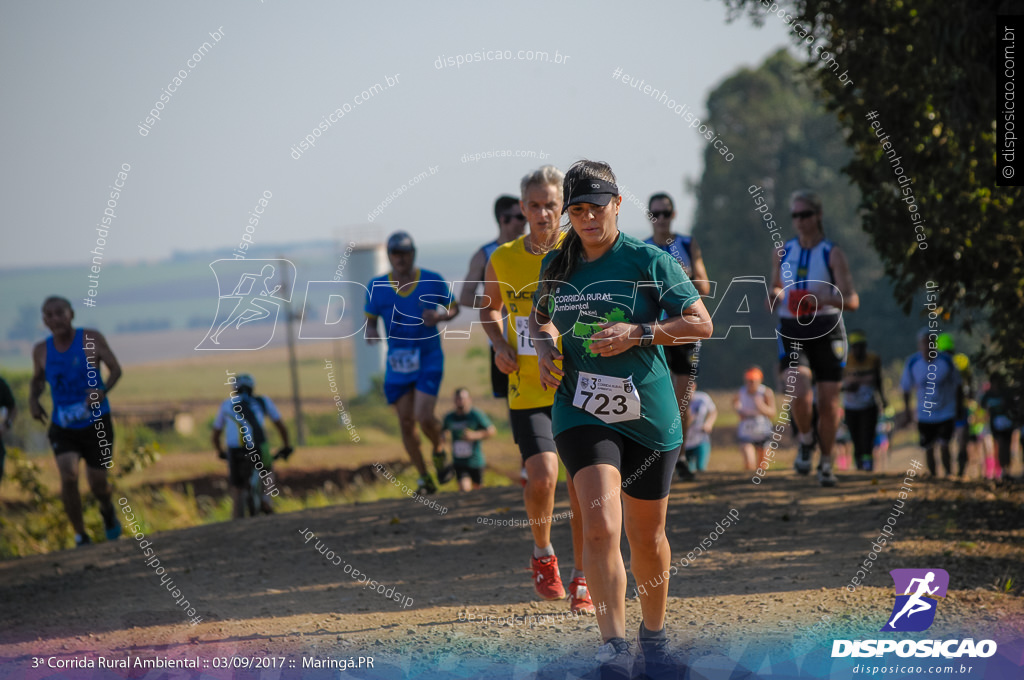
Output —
(94, 444)
(531, 430)
(499, 380)
(240, 467)
(935, 433)
(825, 354)
(646, 474)
(683, 359)
(475, 474)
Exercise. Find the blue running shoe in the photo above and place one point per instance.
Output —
(110, 524)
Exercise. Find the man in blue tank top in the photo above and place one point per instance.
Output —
(683, 360)
(411, 302)
(80, 426)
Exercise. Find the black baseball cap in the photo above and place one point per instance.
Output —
(591, 190)
(401, 241)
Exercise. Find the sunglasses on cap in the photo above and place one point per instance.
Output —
(802, 215)
(661, 214)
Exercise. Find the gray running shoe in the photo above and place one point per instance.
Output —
(616, 660)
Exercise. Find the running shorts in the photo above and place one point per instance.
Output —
(935, 433)
(531, 430)
(824, 355)
(241, 465)
(475, 474)
(499, 380)
(90, 442)
(427, 379)
(646, 474)
(683, 359)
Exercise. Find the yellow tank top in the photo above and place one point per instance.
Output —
(518, 274)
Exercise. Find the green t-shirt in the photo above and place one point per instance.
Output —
(466, 453)
(634, 283)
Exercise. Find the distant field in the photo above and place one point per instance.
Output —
(180, 293)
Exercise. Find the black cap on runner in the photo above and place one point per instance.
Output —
(596, 191)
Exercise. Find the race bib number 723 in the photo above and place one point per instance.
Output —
(611, 399)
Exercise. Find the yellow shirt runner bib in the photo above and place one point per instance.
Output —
(518, 274)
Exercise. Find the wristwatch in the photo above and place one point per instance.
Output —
(647, 335)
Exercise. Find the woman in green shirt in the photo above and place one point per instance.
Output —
(614, 409)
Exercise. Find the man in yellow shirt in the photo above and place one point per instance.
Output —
(512, 276)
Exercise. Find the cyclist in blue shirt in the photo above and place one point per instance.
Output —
(412, 302)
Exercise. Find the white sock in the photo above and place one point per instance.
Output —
(539, 552)
(806, 437)
(576, 573)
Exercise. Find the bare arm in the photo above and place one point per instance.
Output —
(106, 356)
(475, 274)
(880, 385)
(692, 325)
(777, 283)
(505, 355)
(767, 403)
(543, 334)
(848, 300)
(479, 435)
(372, 330)
(709, 421)
(215, 438)
(908, 410)
(38, 382)
(282, 430)
(700, 274)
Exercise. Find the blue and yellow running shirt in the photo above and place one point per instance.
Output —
(411, 343)
(632, 392)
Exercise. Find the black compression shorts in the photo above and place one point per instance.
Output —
(94, 443)
(683, 359)
(499, 380)
(824, 353)
(475, 474)
(646, 474)
(531, 430)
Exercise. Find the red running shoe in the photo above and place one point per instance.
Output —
(546, 580)
(579, 597)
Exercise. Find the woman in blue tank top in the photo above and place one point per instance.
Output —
(80, 427)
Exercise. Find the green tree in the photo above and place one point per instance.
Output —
(784, 139)
(924, 71)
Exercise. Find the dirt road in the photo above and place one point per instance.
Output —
(775, 578)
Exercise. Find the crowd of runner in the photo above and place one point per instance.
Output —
(596, 340)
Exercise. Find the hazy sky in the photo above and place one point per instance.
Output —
(78, 79)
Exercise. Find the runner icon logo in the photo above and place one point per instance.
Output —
(916, 590)
(250, 293)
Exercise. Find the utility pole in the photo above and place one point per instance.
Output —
(293, 366)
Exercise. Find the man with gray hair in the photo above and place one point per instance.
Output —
(512, 277)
